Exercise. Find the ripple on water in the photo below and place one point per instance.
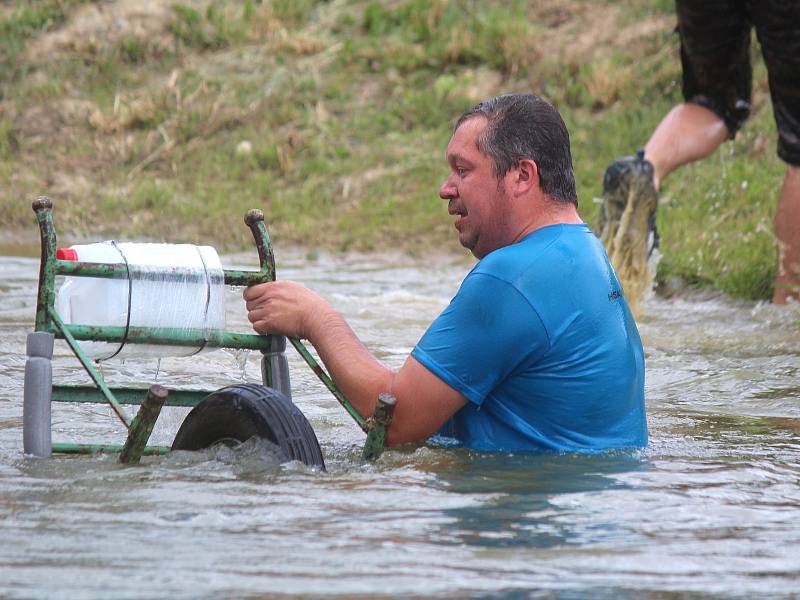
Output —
(711, 507)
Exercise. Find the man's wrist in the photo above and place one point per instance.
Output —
(321, 319)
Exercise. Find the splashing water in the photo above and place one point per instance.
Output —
(627, 226)
(239, 356)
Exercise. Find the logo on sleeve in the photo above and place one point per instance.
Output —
(614, 295)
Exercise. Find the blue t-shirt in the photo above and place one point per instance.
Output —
(540, 340)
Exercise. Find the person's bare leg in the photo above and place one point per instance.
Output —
(787, 238)
(689, 132)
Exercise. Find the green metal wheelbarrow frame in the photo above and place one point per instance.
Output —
(140, 427)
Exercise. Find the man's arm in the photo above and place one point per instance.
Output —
(424, 402)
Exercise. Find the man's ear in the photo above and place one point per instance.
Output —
(527, 176)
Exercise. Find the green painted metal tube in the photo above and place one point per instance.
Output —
(69, 448)
(164, 335)
(120, 271)
(98, 270)
(254, 219)
(244, 278)
(142, 425)
(46, 295)
(378, 424)
(134, 396)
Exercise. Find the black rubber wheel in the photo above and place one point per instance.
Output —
(239, 412)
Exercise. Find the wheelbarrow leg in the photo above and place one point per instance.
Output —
(378, 424)
(142, 425)
(38, 395)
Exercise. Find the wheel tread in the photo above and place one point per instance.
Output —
(272, 414)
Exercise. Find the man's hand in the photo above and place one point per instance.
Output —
(285, 307)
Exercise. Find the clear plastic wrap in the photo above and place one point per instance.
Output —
(177, 286)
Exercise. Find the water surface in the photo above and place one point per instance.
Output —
(711, 508)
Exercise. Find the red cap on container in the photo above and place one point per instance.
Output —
(66, 254)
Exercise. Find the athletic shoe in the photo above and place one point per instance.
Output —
(619, 177)
(627, 225)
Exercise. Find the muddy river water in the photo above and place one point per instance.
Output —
(711, 507)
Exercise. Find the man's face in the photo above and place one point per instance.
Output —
(473, 192)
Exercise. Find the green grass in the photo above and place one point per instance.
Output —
(22, 21)
(333, 118)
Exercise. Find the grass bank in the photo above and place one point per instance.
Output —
(168, 120)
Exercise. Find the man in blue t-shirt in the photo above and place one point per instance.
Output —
(538, 350)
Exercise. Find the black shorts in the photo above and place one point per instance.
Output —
(715, 53)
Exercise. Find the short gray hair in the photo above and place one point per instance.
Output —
(524, 126)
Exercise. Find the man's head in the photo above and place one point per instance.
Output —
(523, 126)
(510, 172)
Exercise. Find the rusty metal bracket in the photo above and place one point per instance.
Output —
(378, 425)
(142, 425)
